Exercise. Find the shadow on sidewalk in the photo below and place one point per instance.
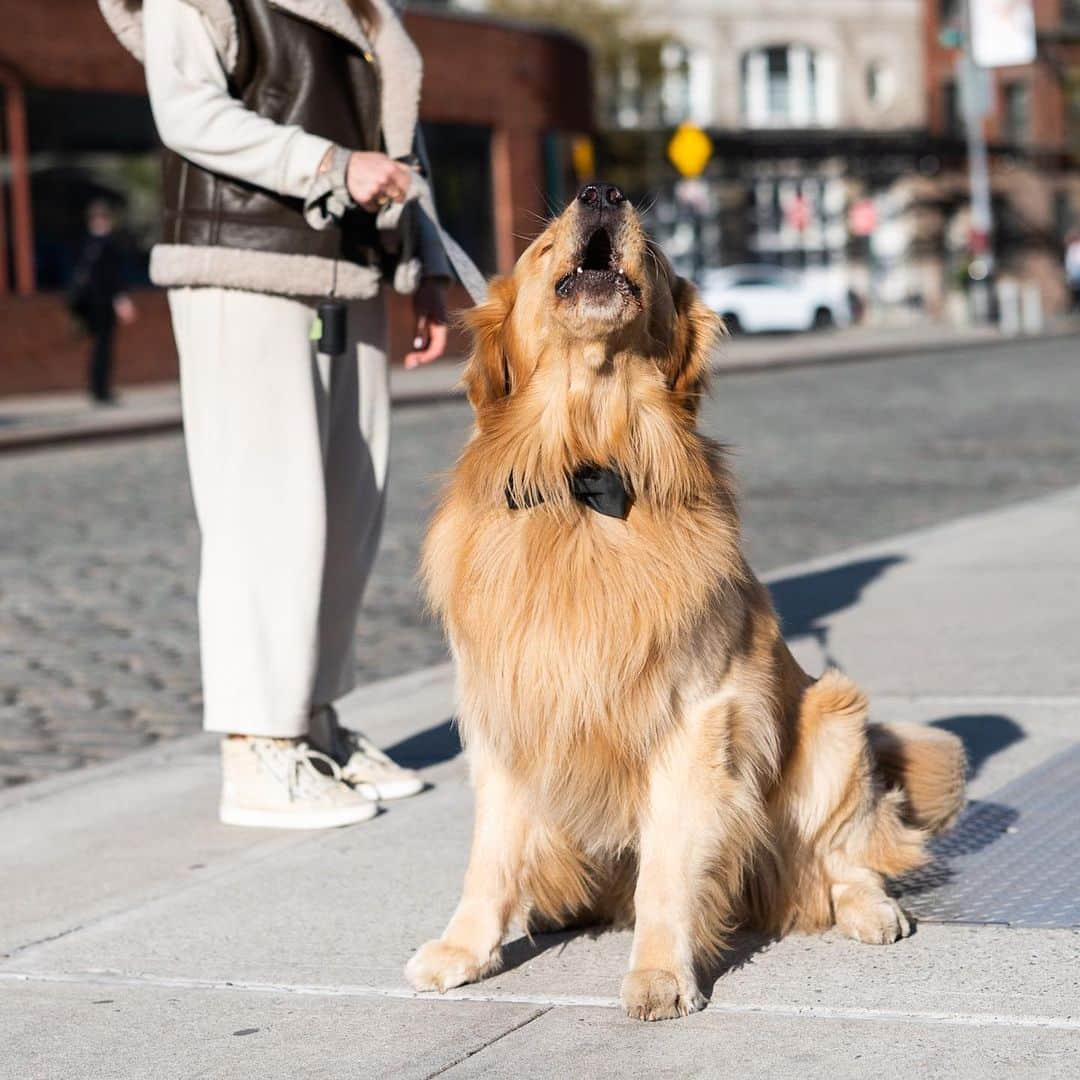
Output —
(982, 823)
(983, 735)
(431, 747)
(805, 601)
(742, 947)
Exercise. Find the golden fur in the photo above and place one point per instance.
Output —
(643, 746)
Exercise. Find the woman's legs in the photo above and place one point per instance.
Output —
(356, 442)
(252, 396)
(356, 447)
(288, 457)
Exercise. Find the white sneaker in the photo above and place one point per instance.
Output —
(276, 784)
(362, 763)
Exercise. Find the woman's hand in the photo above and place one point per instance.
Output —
(374, 179)
(429, 303)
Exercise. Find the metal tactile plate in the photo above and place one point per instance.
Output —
(1013, 858)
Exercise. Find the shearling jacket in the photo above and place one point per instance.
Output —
(250, 95)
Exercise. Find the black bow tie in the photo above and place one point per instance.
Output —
(599, 489)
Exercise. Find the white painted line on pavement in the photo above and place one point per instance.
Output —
(815, 1012)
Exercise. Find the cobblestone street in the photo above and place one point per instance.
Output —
(98, 649)
(98, 544)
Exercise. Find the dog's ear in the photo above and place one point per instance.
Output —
(697, 330)
(487, 374)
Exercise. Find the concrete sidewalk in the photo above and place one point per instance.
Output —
(44, 419)
(142, 938)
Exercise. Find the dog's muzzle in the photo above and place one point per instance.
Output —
(601, 211)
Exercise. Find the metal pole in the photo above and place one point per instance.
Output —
(980, 246)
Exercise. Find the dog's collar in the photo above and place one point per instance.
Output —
(602, 490)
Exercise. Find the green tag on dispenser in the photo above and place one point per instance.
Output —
(316, 330)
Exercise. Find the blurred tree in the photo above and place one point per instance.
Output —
(630, 63)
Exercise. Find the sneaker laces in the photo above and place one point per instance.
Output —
(294, 765)
(358, 743)
(344, 744)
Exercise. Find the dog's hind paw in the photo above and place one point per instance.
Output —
(871, 917)
(440, 965)
(653, 994)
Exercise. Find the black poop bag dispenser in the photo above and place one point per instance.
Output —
(331, 325)
(330, 328)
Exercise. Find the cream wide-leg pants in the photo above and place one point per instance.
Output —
(288, 454)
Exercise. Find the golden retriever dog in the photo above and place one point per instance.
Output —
(643, 746)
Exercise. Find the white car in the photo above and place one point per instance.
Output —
(759, 299)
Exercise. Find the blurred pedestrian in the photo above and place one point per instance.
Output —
(97, 297)
(290, 128)
(1072, 266)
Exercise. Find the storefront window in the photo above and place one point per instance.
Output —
(83, 147)
(1017, 118)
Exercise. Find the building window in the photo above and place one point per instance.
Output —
(950, 109)
(1072, 108)
(1070, 11)
(949, 12)
(86, 147)
(674, 83)
(880, 84)
(788, 86)
(649, 84)
(1016, 121)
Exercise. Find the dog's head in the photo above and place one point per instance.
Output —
(592, 292)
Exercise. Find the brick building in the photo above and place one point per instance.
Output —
(501, 102)
(1035, 107)
(1033, 135)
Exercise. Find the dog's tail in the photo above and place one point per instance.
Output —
(928, 764)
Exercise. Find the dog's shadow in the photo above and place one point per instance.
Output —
(804, 600)
(983, 734)
(982, 822)
(436, 744)
(741, 949)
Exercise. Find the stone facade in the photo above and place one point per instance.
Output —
(866, 57)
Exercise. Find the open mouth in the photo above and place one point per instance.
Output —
(597, 271)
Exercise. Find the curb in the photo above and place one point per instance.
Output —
(901, 351)
(134, 429)
(160, 425)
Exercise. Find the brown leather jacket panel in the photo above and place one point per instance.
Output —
(292, 72)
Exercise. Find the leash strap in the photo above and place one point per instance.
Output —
(420, 193)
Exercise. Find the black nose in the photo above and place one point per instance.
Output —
(599, 195)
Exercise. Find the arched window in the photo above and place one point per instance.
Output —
(788, 86)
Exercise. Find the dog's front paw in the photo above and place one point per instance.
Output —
(653, 994)
(869, 916)
(440, 965)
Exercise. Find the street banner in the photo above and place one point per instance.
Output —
(1002, 32)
